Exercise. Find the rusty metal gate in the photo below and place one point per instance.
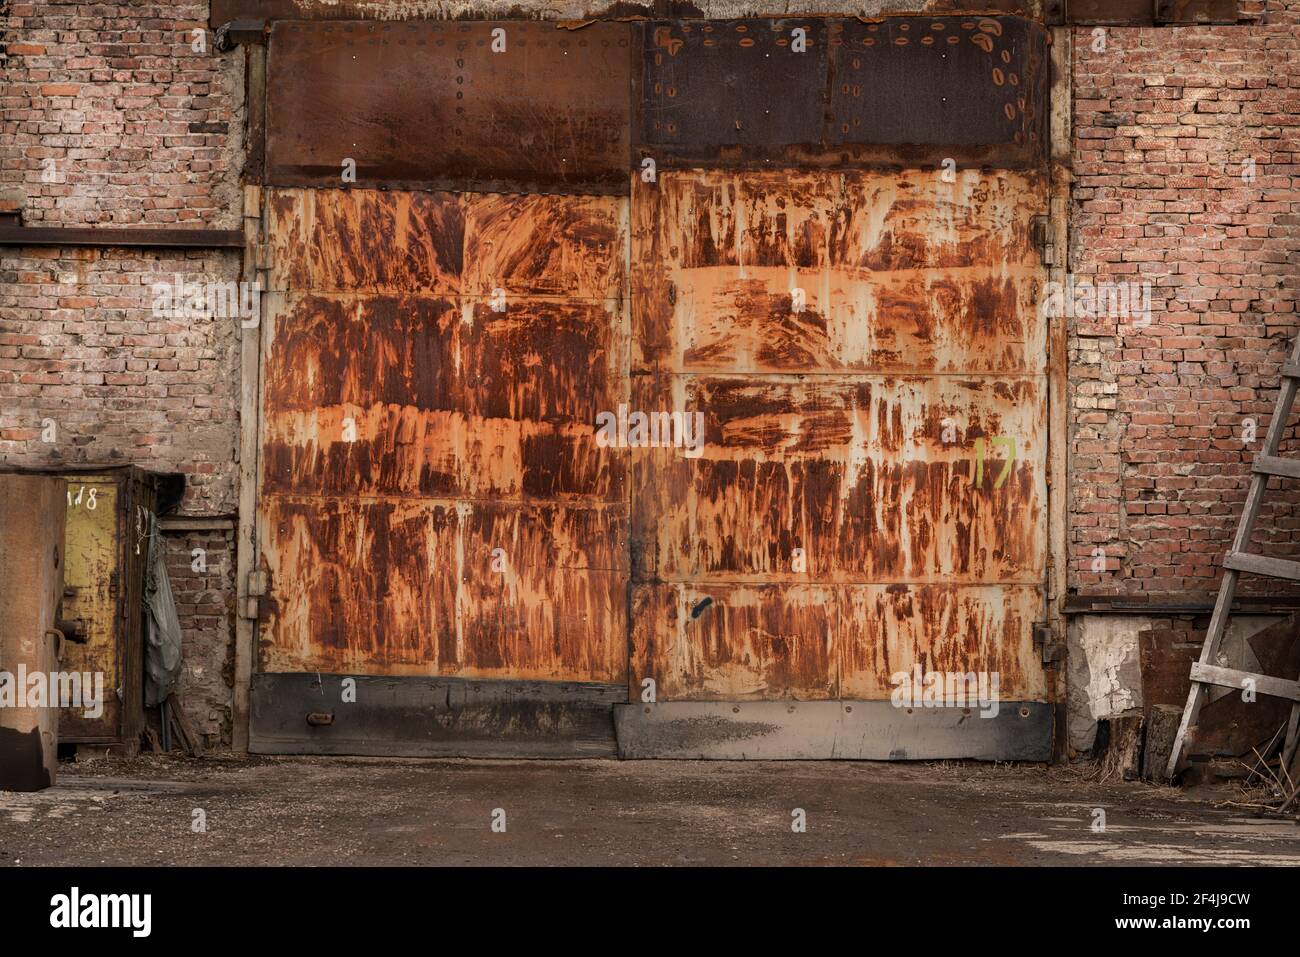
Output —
(668, 389)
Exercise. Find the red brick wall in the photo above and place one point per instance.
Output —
(1163, 119)
(109, 115)
(81, 348)
(142, 130)
(201, 566)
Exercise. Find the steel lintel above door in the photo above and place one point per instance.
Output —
(902, 91)
(504, 106)
(508, 106)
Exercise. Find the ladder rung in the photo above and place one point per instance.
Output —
(1232, 678)
(1291, 370)
(1275, 465)
(1263, 565)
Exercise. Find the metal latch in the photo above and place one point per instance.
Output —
(257, 587)
(1040, 235)
(1050, 649)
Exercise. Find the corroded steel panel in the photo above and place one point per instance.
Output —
(763, 93)
(868, 364)
(895, 272)
(730, 643)
(488, 105)
(970, 88)
(326, 240)
(808, 642)
(833, 91)
(432, 499)
(942, 628)
(852, 471)
(423, 395)
(406, 586)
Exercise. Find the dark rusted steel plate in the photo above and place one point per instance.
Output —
(731, 89)
(1195, 11)
(1147, 13)
(431, 105)
(899, 91)
(1119, 12)
(415, 716)
(970, 88)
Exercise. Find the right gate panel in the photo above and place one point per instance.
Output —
(870, 365)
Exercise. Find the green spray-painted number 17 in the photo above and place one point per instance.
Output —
(1006, 440)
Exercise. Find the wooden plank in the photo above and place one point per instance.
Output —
(121, 236)
(830, 730)
(197, 523)
(1276, 465)
(1233, 678)
(1057, 333)
(1292, 740)
(1263, 565)
(255, 80)
(433, 717)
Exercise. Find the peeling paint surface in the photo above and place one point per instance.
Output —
(432, 500)
(866, 354)
(869, 372)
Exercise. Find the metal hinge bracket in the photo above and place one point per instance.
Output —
(1052, 651)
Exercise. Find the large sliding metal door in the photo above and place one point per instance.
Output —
(464, 548)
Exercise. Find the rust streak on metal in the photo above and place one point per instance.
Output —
(432, 500)
(852, 340)
(810, 642)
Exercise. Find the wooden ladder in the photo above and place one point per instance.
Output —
(1207, 672)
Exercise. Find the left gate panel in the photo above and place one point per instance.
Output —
(433, 502)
